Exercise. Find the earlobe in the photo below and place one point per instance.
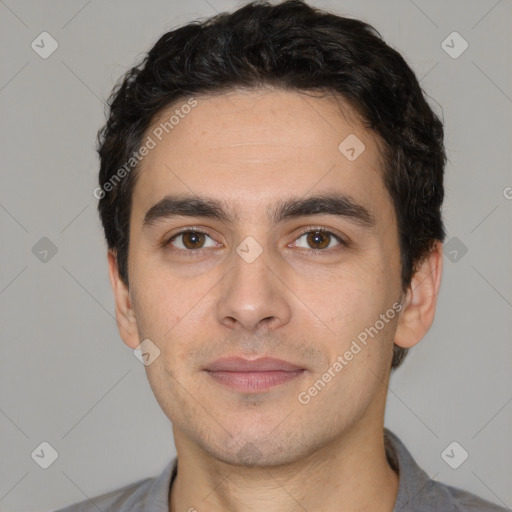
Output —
(125, 316)
(419, 308)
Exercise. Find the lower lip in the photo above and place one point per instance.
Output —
(254, 381)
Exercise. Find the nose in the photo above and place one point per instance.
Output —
(253, 295)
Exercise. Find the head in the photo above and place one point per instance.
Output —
(255, 125)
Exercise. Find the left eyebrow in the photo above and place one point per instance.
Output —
(337, 204)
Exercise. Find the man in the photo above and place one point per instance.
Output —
(270, 187)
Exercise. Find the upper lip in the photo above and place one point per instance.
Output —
(239, 364)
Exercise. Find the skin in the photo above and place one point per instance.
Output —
(252, 149)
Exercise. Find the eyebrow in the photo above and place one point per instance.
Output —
(336, 204)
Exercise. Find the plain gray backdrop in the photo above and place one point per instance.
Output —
(67, 379)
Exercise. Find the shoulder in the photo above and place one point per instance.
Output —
(417, 492)
(129, 497)
(453, 499)
(147, 495)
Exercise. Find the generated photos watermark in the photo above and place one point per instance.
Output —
(304, 397)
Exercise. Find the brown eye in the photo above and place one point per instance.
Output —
(319, 239)
(190, 240)
(193, 239)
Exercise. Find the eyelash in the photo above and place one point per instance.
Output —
(310, 229)
(313, 229)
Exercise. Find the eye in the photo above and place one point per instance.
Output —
(319, 239)
(190, 240)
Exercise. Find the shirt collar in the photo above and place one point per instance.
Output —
(158, 493)
(412, 480)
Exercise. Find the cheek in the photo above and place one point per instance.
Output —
(349, 298)
(158, 307)
(351, 306)
(173, 318)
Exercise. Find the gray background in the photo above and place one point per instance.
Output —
(67, 378)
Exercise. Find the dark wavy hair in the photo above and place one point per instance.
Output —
(290, 46)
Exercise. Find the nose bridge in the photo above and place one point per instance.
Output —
(252, 294)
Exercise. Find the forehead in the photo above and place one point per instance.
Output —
(251, 148)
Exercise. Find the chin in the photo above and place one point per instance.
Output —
(258, 451)
(250, 456)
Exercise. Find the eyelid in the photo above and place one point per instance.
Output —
(201, 230)
(341, 239)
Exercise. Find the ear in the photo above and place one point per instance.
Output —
(125, 316)
(419, 305)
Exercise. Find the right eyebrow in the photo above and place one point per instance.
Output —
(173, 206)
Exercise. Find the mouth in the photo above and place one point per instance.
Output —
(253, 375)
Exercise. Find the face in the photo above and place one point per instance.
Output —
(256, 267)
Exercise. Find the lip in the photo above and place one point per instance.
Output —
(262, 364)
(252, 375)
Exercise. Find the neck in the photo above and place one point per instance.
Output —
(350, 473)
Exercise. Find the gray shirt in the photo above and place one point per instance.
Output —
(416, 491)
